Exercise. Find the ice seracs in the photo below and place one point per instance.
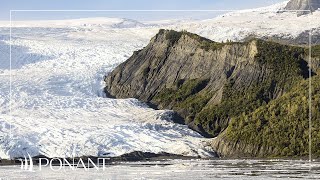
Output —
(51, 101)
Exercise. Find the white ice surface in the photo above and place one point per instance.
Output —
(58, 108)
(260, 22)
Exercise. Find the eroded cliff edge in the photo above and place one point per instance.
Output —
(212, 85)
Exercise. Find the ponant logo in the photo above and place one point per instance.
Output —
(57, 164)
(27, 164)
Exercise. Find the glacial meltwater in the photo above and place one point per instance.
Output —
(177, 169)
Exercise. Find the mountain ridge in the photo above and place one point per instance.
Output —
(303, 5)
(212, 85)
(183, 56)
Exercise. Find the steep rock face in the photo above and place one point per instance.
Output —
(170, 62)
(311, 5)
(207, 83)
(165, 63)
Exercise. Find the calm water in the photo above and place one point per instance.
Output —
(179, 169)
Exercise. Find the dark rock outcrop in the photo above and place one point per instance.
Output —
(164, 64)
(303, 5)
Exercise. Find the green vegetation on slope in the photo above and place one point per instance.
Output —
(286, 67)
(282, 126)
(185, 96)
(205, 43)
(315, 51)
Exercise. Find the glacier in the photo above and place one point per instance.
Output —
(58, 108)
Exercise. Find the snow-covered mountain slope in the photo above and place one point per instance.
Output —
(271, 21)
(261, 22)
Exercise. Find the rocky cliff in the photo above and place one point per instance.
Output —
(171, 58)
(209, 84)
(303, 5)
